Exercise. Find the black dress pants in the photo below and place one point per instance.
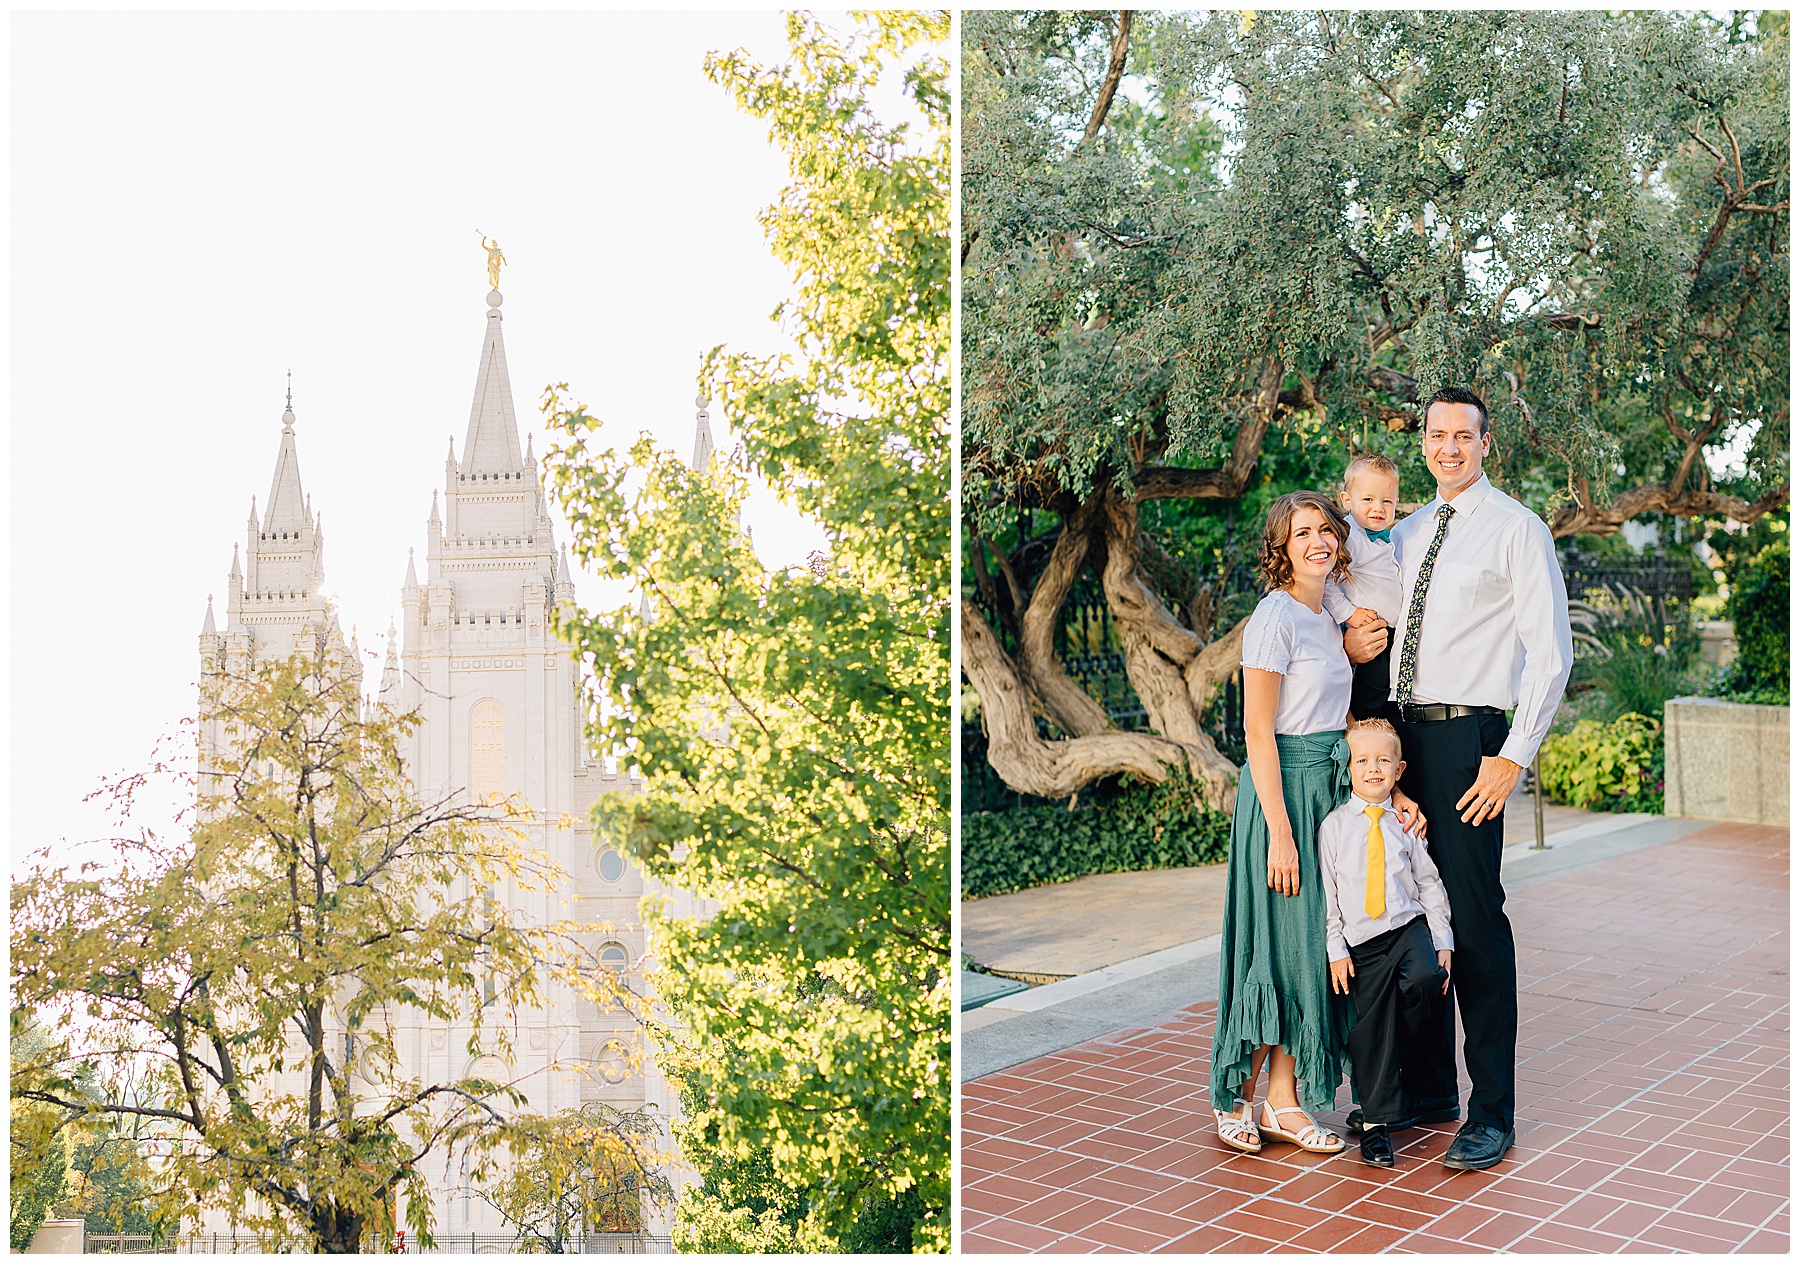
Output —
(1443, 758)
(1396, 983)
(1369, 684)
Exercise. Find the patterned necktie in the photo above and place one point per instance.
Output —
(1375, 885)
(1415, 611)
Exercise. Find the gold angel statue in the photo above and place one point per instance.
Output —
(495, 259)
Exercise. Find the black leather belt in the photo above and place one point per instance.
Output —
(1432, 712)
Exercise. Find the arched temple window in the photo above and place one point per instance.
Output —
(487, 749)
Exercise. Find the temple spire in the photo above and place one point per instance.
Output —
(703, 440)
(287, 501)
(492, 445)
(210, 629)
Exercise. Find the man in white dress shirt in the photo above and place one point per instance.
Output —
(1485, 629)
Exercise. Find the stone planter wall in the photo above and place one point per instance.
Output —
(59, 1237)
(1725, 761)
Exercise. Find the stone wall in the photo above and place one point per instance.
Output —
(58, 1237)
(1726, 761)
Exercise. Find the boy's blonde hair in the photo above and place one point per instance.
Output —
(1370, 462)
(1375, 725)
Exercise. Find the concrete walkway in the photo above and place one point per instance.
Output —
(1074, 927)
(1652, 1084)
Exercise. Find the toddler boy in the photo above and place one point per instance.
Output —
(1371, 495)
(1386, 913)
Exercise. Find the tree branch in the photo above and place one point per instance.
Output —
(1584, 518)
(1115, 70)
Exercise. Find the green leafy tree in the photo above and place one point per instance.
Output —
(1299, 224)
(743, 1204)
(790, 724)
(1760, 611)
(258, 965)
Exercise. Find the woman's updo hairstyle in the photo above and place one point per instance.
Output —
(1272, 560)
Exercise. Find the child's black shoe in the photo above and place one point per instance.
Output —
(1377, 1151)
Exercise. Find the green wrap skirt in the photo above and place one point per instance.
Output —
(1274, 970)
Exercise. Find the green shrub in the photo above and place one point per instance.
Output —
(1143, 827)
(1614, 767)
(1758, 610)
(1643, 673)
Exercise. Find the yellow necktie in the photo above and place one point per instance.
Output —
(1375, 888)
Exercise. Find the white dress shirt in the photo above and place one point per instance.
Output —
(1496, 623)
(1374, 582)
(1412, 881)
(1307, 650)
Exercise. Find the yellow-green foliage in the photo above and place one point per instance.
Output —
(316, 901)
(1594, 762)
(39, 1175)
(581, 1170)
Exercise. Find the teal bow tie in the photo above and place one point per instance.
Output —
(1380, 535)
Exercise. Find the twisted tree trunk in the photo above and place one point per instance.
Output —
(1173, 672)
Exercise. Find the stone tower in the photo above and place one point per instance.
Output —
(274, 603)
(498, 696)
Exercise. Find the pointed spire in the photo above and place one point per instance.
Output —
(528, 457)
(236, 571)
(210, 629)
(492, 446)
(644, 615)
(703, 440)
(253, 522)
(412, 576)
(287, 501)
(450, 460)
(434, 520)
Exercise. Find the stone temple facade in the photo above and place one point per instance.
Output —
(499, 699)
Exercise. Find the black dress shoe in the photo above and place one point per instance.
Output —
(1476, 1147)
(1353, 1122)
(1377, 1150)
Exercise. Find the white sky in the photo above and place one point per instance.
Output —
(201, 202)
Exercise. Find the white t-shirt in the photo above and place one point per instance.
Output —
(1307, 649)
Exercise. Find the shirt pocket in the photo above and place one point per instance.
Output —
(1461, 583)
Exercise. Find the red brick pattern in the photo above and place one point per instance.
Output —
(1652, 1100)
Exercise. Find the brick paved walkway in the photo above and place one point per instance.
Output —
(1653, 990)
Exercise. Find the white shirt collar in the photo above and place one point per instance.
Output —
(1386, 805)
(1472, 498)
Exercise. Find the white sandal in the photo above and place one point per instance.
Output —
(1238, 1130)
(1313, 1138)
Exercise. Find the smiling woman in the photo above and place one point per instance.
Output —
(1275, 1004)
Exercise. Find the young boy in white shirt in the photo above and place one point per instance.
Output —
(1386, 914)
(1371, 496)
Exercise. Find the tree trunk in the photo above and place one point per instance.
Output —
(338, 1230)
(1029, 763)
(1063, 702)
(1159, 652)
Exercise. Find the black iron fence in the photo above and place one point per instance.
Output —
(493, 1242)
(1608, 592)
